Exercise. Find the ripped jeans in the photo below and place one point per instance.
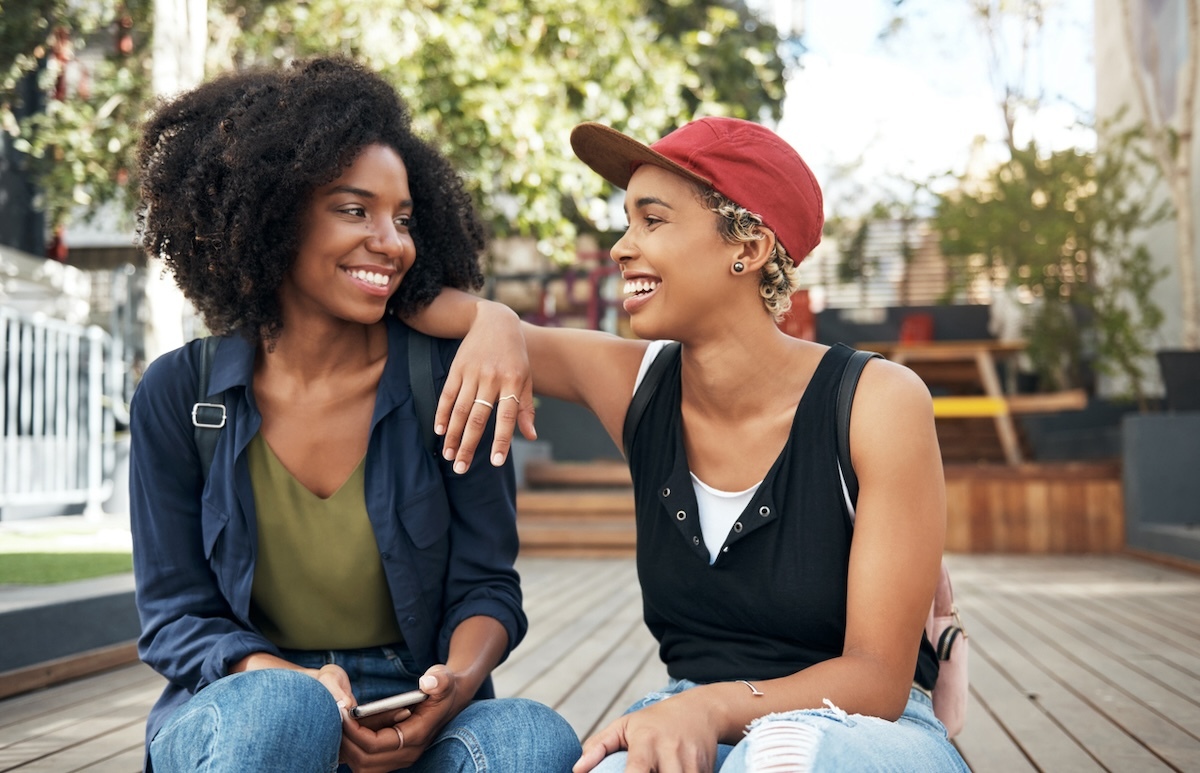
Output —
(826, 739)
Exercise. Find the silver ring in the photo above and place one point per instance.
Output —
(481, 401)
(511, 397)
(400, 735)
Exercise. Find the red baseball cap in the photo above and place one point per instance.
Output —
(747, 163)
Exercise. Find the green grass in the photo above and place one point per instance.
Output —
(49, 568)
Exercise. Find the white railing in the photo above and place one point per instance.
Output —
(57, 412)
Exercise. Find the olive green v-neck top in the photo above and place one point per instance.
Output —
(318, 578)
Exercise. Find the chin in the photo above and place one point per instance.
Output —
(650, 330)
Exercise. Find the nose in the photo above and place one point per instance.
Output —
(385, 238)
(623, 249)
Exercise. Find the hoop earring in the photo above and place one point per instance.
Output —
(739, 267)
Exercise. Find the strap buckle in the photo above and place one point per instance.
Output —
(204, 415)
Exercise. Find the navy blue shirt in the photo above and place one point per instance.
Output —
(447, 541)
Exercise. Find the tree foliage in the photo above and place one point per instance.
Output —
(79, 145)
(1059, 228)
(498, 84)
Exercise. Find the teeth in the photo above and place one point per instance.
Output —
(639, 286)
(370, 277)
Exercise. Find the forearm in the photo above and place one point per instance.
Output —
(257, 661)
(476, 647)
(454, 312)
(855, 684)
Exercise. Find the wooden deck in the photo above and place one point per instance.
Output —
(1078, 663)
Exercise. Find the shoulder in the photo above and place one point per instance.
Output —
(170, 373)
(890, 398)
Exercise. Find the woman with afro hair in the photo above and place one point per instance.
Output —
(326, 559)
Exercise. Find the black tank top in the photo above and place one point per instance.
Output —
(774, 601)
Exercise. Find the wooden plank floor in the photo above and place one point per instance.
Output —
(1078, 663)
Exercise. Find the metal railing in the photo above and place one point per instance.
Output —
(62, 398)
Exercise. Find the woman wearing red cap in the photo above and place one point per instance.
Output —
(790, 646)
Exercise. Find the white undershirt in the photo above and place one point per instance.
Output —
(719, 510)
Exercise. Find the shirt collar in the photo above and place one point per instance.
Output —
(234, 366)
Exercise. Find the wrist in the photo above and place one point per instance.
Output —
(723, 704)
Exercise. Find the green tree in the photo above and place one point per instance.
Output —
(498, 83)
(1059, 228)
(80, 148)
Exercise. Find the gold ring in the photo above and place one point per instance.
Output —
(511, 397)
(399, 735)
(481, 401)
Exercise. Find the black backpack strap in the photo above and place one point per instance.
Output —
(208, 413)
(845, 401)
(645, 390)
(420, 377)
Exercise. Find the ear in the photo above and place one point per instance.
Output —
(754, 255)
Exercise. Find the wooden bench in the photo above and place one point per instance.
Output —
(1079, 663)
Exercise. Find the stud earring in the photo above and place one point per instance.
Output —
(739, 267)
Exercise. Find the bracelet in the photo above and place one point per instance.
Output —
(753, 690)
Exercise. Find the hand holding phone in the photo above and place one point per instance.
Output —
(403, 700)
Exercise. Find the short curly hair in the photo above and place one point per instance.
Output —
(228, 168)
(779, 277)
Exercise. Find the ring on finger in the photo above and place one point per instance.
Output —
(481, 401)
(400, 735)
(514, 398)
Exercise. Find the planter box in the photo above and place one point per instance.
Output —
(1064, 507)
(1181, 378)
(1162, 483)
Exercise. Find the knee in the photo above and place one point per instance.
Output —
(781, 746)
(257, 720)
(546, 722)
(291, 707)
(517, 733)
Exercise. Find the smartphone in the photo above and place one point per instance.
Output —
(388, 704)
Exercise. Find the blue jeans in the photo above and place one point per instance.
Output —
(286, 721)
(827, 739)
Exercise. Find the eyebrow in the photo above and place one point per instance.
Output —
(362, 192)
(646, 201)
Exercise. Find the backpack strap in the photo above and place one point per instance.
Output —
(645, 390)
(208, 413)
(420, 377)
(845, 401)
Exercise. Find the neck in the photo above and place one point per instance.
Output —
(312, 351)
(739, 371)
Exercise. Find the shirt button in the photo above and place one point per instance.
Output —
(764, 511)
(386, 556)
(695, 540)
(724, 550)
(410, 620)
(737, 526)
(681, 515)
(666, 492)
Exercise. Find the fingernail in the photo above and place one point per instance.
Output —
(439, 429)
(427, 683)
(497, 459)
(447, 453)
(341, 704)
(460, 467)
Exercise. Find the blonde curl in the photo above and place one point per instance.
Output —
(779, 276)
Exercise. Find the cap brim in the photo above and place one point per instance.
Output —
(615, 156)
